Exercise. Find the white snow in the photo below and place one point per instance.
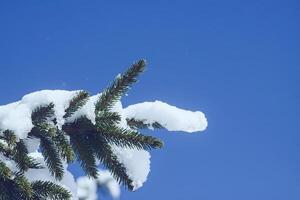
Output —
(106, 179)
(171, 117)
(137, 163)
(87, 110)
(32, 144)
(87, 188)
(17, 117)
(43, 174)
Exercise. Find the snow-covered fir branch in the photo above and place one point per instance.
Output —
(57, 126)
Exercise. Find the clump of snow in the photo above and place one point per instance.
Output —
(32, 144)
(170, 117)
(106, 179)
(87, 187)
(136, 162)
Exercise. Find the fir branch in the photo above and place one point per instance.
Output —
(42, 113)
(76, 103)
(119, 87)
(24, 187)
(64, 148)
(128, 138)
(105, 154)
(52, 157)
(9, 137)
(5, 172)
(17, 151)
(80, 124)
(49, 149)
(48, 190)
(106, 118)
(7, 143)
(87, 141)
(80, 141)
(20, 150)
(13, 187)
(24, 162)
(141, 124)
(85, 154)
(46, 133)
(14, 190)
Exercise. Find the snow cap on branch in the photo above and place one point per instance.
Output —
(169, 117)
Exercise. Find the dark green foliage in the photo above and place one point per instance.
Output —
(24, 186)
(105, 118)
(20, 156)
(42, 113)
(117, 169)
(5, 172)
(90, 141)
(128, 138)
(85, 154)
(17, 187)
(48, 190)
(9, 140)
(9, 137)
(13, 186)
(45, 132)
(63, 145)
(80, 141)
(52, 157)
(119, 86)
(109, 159)
(140, 124)
(17, 151)
(49, 151)
(52, 144)
(88, 145)
(77, 102)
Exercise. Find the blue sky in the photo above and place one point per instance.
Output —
(237, 61)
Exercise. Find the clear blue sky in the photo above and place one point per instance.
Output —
(238, 61)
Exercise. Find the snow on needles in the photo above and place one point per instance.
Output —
(17, 117)
(136, 162)
(170, 117)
